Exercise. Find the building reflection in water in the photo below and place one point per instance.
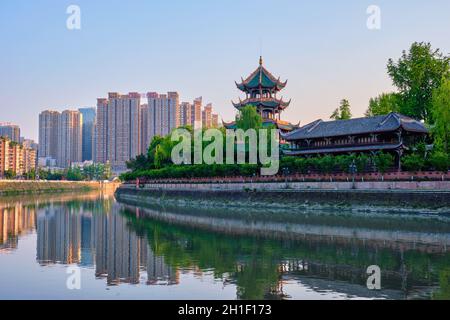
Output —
(15, 221)
(72, 235)
(58, 235)
(128, 244)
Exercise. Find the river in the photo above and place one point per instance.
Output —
(89, 246)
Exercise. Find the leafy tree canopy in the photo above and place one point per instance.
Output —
(384, 104)
(248, 118)
(441, 114)
(416, 75)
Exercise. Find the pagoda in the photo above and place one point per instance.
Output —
(261, 89)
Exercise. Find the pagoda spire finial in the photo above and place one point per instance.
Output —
(260, 60)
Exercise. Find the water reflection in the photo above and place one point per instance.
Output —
(147, 246)
(95, 234)
(15, 221)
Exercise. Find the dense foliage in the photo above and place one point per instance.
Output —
(441, 116)
(416, 75)
(288, 165)
(87, 173)
(384, 104)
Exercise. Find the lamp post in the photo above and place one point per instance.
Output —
(353, 170)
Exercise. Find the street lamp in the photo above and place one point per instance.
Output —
(353, 170)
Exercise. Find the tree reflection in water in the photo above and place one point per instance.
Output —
(155, 246)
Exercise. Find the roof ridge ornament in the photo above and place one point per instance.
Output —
(260, 60)
(387, 117)
(314, 126)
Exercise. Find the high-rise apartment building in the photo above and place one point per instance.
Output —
(15, 158)
(70, 138)
(11, 131)
(48, 134)
(207, 116)
(118, 129)
(29, 143)
(123, 128)
(101, 132)
(162, 115)
(196, 113)
(144, 128)
(89, 115)
(185, 114)
(215, 120)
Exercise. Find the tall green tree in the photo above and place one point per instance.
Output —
(9, 174)
(385, 103)
(157, 140)
(343, 112)
(139, 163)
(416, 75)
(441, 114)
(248, 118)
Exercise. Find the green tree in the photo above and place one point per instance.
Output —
(106, 171)
(141, 162)
(74, 174)
(31, 175)
(163, 152)
(441, 115)
(416, 75)
(152, 148)
(384, 104)
(248, 118)
(343, 112)
(9, 174)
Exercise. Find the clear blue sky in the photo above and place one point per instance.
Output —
(199, 48)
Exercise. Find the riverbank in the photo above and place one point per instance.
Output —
(9, 187)
(402, 196)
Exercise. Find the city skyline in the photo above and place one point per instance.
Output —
(328, 52)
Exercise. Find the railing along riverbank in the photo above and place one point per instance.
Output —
(429, 179)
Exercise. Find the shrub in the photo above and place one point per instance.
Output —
(301, 165)
(413, 162)
(343, 163)
(326, 164)
(383, 161)
(362, 161)
(440, 161)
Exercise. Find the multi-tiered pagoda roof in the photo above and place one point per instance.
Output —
(261, 88)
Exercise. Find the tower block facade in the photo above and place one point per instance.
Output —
(261, 89)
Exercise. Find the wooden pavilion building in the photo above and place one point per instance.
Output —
(393, 133)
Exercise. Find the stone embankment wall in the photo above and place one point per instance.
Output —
(428, 194)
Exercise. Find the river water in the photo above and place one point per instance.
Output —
(89, 246)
